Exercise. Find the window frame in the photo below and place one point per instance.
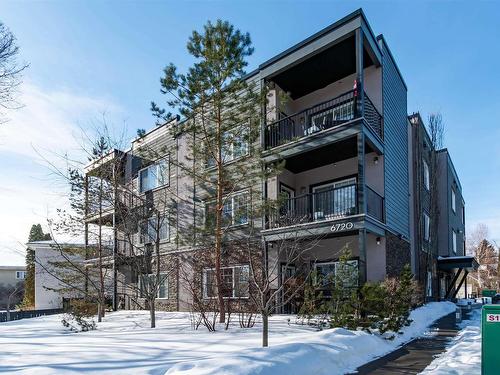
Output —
(427, 227)
(158, 291)
(454, 242)
(231, 196)
(23, 273)
(156, 164)
(453, 201)
(226, 161)
(336, 263)
(146, 221)
(427, 175)
(204, 285)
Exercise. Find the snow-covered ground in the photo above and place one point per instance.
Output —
(463, 356)
(124, 344)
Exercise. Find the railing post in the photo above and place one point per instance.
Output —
(359, 73)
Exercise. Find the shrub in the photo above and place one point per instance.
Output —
(79, 316)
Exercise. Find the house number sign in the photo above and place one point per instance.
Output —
(493, 318)
(340, 227)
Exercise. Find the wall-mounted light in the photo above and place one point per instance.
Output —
(378, 240)
(375, 160)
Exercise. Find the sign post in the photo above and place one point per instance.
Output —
(490, 337)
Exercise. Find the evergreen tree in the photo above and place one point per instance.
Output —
(222, 132)
(36, 234)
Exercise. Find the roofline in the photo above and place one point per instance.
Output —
(357, 13)
(6, 268)
(158, 127)
(382, 38)
(450, 161)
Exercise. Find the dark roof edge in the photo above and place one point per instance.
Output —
(326, 30)
(381, 37)
(450, 161)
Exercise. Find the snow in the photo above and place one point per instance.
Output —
(337, 349)
(124, 344)
(463, 357)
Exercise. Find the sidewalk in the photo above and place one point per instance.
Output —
(415, 356)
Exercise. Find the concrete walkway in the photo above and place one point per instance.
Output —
(416, 355)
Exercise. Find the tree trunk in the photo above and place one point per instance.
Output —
(218, 243)
(99, 311)
(152, 313)
(265, 330)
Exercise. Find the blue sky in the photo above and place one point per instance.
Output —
(89, 57)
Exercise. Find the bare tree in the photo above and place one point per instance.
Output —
(10, 71)
(486, 254)
(436, 133)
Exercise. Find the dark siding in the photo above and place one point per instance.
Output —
(396, 146)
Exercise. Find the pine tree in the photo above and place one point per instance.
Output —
(36, 234)
(223, 112)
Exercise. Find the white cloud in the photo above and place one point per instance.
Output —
(50, 123)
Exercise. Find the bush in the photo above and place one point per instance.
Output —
(79, 316)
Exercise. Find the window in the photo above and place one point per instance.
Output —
(454, 242)
(147, 284)
(234, 146)
(429, 284)
(234, 211)
(453, 201)
(347, 272)
(149, 228)
(20, 275)
(463, 213)
(234, 280)
(154, 176)
(427, 227)
(427, 178)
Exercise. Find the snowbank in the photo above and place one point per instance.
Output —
(463, 357)
(331, 351)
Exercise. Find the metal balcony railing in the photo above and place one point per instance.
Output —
(374, 204)
(322, 205)
(322, 116)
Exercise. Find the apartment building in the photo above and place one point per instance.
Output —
(437, 216)
(350, 178)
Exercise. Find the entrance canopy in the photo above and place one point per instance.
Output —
(468, 263)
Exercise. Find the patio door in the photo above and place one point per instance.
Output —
(287, 275)
(288, 206)
(334, 199)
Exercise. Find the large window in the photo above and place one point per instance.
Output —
(148, 285)
(427, 227)
(327, 272)
(235, 282)
(234, 146)
(234, 211)
(151, 228)
(453, 201)
(454, 244)
(427, 177)
(154, 176)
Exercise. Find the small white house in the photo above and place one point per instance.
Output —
(48, 284)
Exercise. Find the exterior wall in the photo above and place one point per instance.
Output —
(46, 284)
(396, 147)
(8, 275)
(397, 255)
(376, 259)
(449, 220)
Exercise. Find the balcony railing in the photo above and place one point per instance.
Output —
(322, 116)
(321, 205)
(374, 204)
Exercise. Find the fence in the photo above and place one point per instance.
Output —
(17, 315)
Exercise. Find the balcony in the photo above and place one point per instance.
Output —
(323, 116)
(325, 204)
